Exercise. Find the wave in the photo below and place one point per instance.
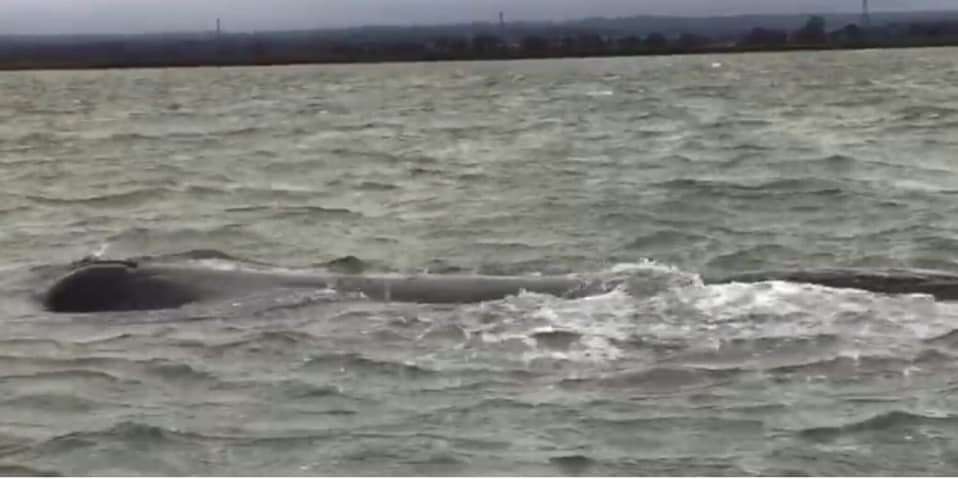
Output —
(128, 245)
(697, 465)
(560, 340)
(197, 255)
(346, 264)
(16, 470)
(891, 420)
(769, 188)
(130, 197)
(748, 148)
(132, 435)
(949, 339)
(179, 135)
(667, 237)
(761, 353)
(926, 112)
(85, 375)
(573, 465)
(318, 212)
(223, 185)
(751, 257)
(847, 367)
(127, 432)
(377, 186)
(176, 371)
(157, 446)
(655, 380)
(266, 341)
(34, 344)
(739, 123)
(38, 137)
(301, 390)
(668, 422)
(52, 403)
(358, 363)
(103, 371)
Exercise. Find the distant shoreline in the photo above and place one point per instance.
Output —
(267, 61)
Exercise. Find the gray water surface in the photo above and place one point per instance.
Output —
(659, 170)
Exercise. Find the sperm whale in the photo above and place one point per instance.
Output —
(103, 286)
(128, 286)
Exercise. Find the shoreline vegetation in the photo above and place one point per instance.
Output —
(217, 49)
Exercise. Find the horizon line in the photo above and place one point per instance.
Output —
(463, 23)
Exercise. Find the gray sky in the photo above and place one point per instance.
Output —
(129, 16)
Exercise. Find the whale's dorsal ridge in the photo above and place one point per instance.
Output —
(93, 261)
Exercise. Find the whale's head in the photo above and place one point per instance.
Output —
(120, 286)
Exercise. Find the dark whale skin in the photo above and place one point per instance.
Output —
(125, 286)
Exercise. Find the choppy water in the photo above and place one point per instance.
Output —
(665, 170)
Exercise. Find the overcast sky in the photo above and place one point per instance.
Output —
(129, 16)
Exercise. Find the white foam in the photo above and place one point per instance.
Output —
(792, 309)
(643, 264)
(684, 309)
(101, 250)
(222, 264)
(598, 321)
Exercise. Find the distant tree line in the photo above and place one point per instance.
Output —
(266, 48)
